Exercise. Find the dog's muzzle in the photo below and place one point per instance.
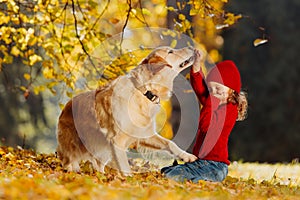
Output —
(187, 62)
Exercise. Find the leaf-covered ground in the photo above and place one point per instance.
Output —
(25, 174)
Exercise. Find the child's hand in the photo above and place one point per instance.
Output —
(197, 62)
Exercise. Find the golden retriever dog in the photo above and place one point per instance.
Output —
(100, 125)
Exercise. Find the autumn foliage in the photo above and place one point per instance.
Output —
(26, 174)
(48, 41)
(51, 45)
(53, 38)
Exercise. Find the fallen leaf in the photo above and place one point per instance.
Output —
(259, 41)
(221, 26)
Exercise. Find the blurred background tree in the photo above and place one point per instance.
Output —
(44, 46)
(270, 73)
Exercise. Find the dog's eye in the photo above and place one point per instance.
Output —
(170, 51)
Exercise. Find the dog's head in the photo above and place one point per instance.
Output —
(176, 59)
(157, 71)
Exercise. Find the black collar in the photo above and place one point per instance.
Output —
(152, 97)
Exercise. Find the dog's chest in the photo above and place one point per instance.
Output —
(132, 112)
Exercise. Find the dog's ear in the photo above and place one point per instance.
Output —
(155, 63)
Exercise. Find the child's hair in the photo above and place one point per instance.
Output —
(241, 100)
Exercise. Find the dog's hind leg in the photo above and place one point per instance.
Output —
(73, 166)
(68, 161)
(97, 165)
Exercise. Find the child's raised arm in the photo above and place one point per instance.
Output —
(197, 79)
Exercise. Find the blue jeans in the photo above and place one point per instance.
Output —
(198, 170)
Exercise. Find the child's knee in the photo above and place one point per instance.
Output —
(221, 175)
(178, 173)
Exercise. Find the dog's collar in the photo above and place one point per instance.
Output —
(152, 97)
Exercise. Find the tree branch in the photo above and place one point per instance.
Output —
(101, 14)
(81, 43)
(126, 22)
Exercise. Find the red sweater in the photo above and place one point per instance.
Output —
(215, 123)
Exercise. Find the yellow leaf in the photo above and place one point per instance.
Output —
(48, 73)
(15, 20)
(133, 11)
(15, 51)
(27, 76)
(24, 18)
(93, 84)
(114, 20)
(51, 85)
(173, 43)
(38, 89)
(146, 11)
(30, 31)
(8, 59)
(61, 106)
(181, 17)
(214, 55)
(69, 94)
(23, 88)
(4, 19)
(32, 41)
(170, 8)
(169, 33)
(259, 41)
(231, 18)
(194, 11)
(34, 59)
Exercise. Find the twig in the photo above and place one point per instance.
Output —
(125, 25)
(101, 14)
(81, 43)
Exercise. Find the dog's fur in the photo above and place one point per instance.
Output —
(100, 125)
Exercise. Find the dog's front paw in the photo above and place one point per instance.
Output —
(127, 174)
(187, 157)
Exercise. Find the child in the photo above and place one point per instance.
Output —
(223, 104)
